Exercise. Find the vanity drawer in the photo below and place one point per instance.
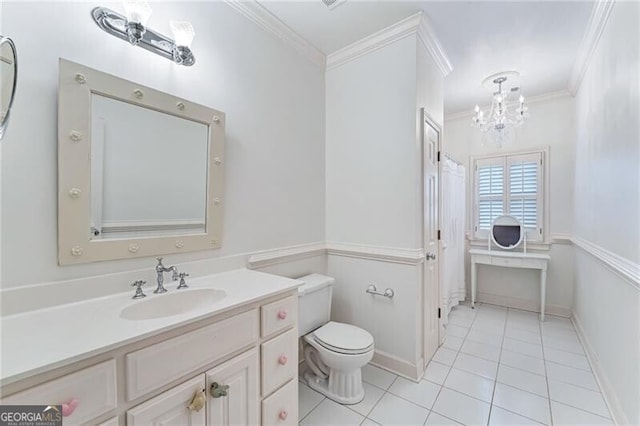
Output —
(93, 388)
(281, 408)
(279, 315)
(279, 361)
(506, 261)
(159, 364)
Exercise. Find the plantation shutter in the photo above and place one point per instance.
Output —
(524, 196)
(490, 189)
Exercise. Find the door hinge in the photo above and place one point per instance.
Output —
(438, 155)
(438, 234)
(439, 310)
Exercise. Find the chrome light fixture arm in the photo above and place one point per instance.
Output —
(138, 35)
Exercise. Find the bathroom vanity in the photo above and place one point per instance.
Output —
(114, 361)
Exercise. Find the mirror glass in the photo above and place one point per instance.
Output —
(507, 232)
(148, 172)
(8, 70)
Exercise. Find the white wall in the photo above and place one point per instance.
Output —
(272, 96)
(607, 207)
(551, 124)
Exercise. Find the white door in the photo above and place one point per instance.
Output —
(431, 285)
(240, 405)
(171, 407)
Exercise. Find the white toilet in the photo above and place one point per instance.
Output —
(334, 352)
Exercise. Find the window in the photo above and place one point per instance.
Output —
(510, 184)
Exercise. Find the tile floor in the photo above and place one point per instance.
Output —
(498, 366)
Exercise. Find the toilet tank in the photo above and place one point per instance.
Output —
(314, 303)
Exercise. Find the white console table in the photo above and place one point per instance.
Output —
(510, 259)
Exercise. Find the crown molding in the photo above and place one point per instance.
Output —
(268, 21)
(545, 97)
(430, 41)
(414, 24)
(597, 23)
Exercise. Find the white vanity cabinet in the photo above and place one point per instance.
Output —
(252, 349)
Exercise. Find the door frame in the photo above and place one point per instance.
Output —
(427, 119)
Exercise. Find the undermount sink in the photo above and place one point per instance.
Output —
(174, 303)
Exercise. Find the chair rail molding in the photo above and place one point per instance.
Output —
(386, 254)
(285, 254)
(255, 12)
(625, 268)
(414, 24)
(597, 23)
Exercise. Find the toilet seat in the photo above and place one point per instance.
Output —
(343, 338)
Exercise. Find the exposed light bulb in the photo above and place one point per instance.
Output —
(521, 99)
(137, 11)
(183, 33)
(477, 108)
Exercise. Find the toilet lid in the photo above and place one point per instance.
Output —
(343, 338)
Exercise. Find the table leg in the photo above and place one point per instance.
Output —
(543, 292)
(473, 284)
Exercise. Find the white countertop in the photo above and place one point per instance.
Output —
(516, 254)
(38, 341)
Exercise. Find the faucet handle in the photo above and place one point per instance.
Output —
(138, 284)
(183, 284)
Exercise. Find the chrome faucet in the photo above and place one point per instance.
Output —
(160, 270)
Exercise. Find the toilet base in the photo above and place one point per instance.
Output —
(342, 388)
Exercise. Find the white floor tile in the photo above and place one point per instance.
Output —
(372, 395)
(578, 397)
(485, 337)
(532, 325)
(566, 415)
(456, 330)
(470, 384)
(502, 417)
(523, 403)
(392, 410)
(567, 358)
(462, 320)
(436, 419)
(436, 372)
(308, 399)
(523, 362)
(491, 353)
(423, 393)
(476, 365)
(524, 348)
(377, 376)
(489, 325)
(524, 335)
(524, 380)
(564, 343)
(452, 342)
(369, 422)
(461, 408)
(444, 356)
(574, 376)
(553, 322)
(331, 413)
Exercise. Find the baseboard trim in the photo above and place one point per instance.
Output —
(524, 304)
(397, 365)
(610, 397)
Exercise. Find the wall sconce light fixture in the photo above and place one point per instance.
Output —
(133, 28)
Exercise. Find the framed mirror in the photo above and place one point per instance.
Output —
(140, 172)
(507, 232)
(8, 80)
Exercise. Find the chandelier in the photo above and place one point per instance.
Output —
(500, 121)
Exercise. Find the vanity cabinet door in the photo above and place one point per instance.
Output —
(171, 407)
(240, 405)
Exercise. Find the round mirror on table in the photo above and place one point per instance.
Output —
(8, 78)
(507, 232)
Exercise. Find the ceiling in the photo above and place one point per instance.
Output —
(540, 39)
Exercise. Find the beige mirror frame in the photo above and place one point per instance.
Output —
(75, 246)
